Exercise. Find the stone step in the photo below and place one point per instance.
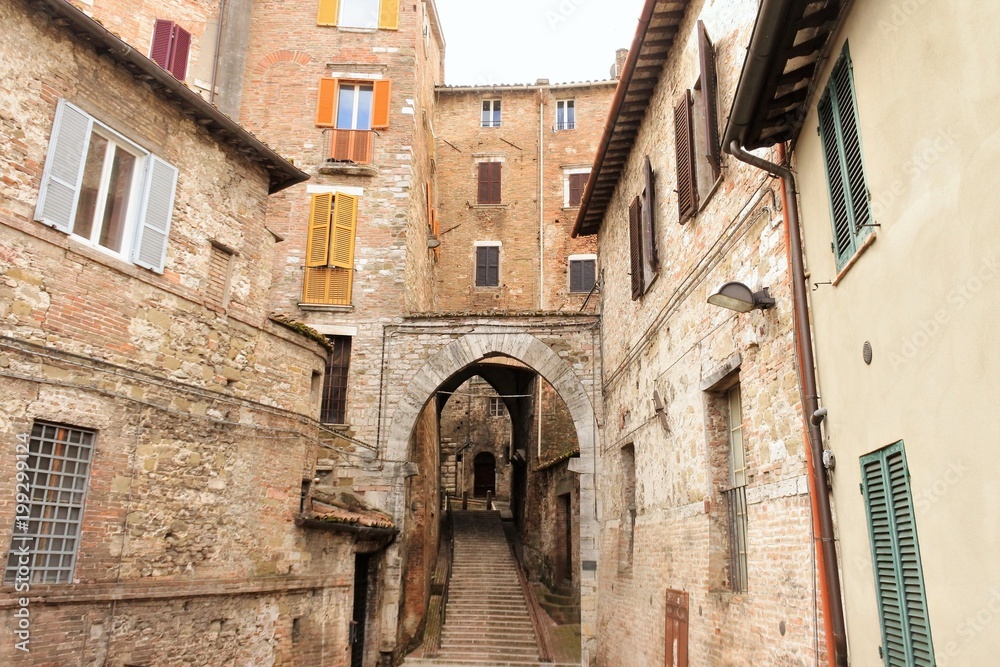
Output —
(441, 662)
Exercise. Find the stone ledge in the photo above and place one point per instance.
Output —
(347, 169)
(325, 308)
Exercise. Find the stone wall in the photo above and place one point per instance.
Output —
(466, 418)
(204, 414)
(671, 342)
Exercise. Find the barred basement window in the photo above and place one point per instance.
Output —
(736, 495)
(55, 476)
(334, 407)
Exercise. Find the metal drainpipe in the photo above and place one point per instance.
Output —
(541, 201)
(218, 49)
(834, 603)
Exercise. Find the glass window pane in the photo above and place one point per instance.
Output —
(496, 113)
(364, 121)
(359, 13)
(90, 186)
(116, 209)
(345, 106)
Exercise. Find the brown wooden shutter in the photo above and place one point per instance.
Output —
(180, 50)
(381, 100)
(577, 184)
(635, 246)
(489, 182)
(163, 34)
(687, 194)
(329, 11)
(327, 104)
(709, 85)
(649, 259)
(388, 15)
(318, 233)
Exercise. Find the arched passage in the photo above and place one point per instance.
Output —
(452, 360)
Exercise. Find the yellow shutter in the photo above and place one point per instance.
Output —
(328, 12)
(388, 15)
(318, 234)
(341, 281)
(345, 219)
(325, 108)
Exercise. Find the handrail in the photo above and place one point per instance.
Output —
(432, 638)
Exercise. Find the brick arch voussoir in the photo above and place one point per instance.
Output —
(281, 55)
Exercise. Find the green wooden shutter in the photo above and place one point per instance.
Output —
(838, 128)
(899, 582)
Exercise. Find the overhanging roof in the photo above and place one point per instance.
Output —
(790, 39)
(659, 24)
(281, 172)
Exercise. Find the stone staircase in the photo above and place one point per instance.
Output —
(487, 623)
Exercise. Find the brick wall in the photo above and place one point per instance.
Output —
(466, 418)
(671, 342)
(525, 142)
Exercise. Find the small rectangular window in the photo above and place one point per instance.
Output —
(565, 115)
(496, 407)
(334, 407)
(736, 496)
(582, 275)
(491, 113)
(488, 266)
(489, 182)
(577, 184)
(219, 274)
(56, 473)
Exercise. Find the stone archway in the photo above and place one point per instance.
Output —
(422, 387)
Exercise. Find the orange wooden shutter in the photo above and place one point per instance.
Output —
(345, 218)
(388, 15)
(318, 236)
(328, 12)
(327, 103)
(380, 104)
(341, 282)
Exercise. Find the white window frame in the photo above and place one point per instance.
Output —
(496, 407)
(343, 6)
(569, 271)
(567, 171)
(494, 107)
(357, 86)
(566, 106)
(151, 198)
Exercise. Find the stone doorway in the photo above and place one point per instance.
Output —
(484, 470)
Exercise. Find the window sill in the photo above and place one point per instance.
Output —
(487, 206)
(868, 242)
(325, 308)
(347, 28)
(347, 169)
(571, 208)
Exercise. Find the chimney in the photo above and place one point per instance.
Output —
(621, 55)
(542, 82)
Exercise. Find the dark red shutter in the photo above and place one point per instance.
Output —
(163, 35)
(179, 53)
(635, 245)
(577, 184)
(687, 195)
(489, 182)
(708, 90)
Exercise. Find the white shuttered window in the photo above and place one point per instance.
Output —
(105, 191)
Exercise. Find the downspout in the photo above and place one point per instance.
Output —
(541, 202)
(833, 603)
(218, 50)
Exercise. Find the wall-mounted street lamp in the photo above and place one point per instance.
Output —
(432, 241)
(739, 297)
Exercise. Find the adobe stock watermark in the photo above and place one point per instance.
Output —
(957, 299)
(970, 628)
(899, 14)
(561, 12)
(21, 544)
(928, 152)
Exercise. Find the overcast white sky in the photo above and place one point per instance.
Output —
(519, 41)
